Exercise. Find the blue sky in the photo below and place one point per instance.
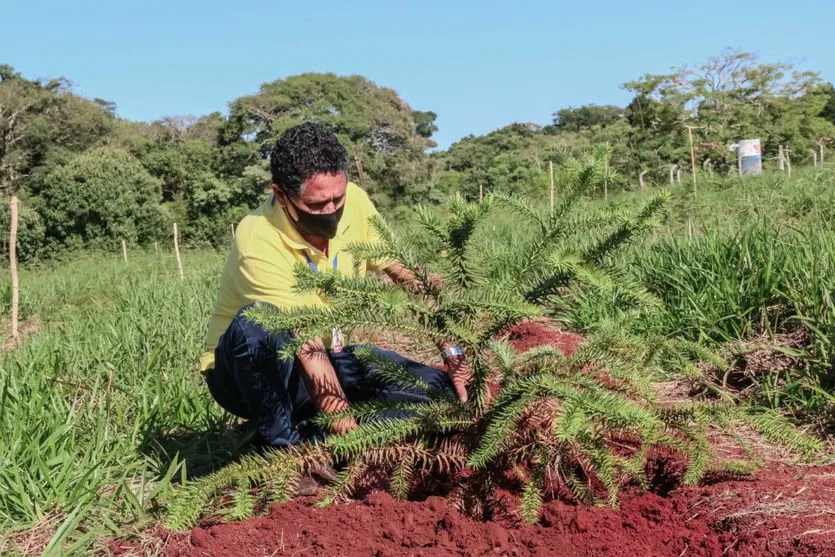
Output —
(479, 65)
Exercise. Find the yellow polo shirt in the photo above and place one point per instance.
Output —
(267, 246)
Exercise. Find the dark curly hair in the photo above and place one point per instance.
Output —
(304, 151)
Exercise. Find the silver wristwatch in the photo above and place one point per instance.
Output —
(451, 352)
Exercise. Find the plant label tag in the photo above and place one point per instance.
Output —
(337, 342)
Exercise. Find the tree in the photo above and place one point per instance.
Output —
(425, 123)
(99, 198)
(828, 110)
(729, 97)
(587, 117)
(42, 124)
(372, 119)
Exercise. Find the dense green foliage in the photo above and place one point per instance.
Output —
(212, 169)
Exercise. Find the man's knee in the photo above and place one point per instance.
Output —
(247, 335)
(435, 377)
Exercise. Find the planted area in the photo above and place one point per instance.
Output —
(110, 428)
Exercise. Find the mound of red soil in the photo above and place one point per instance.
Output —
(529, 334)
(781, 511)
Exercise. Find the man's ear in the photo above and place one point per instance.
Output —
(280, 198)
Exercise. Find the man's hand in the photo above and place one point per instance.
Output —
(344, 425)
(401, 275)
(460, 376)
(323, 386)
(330, 404)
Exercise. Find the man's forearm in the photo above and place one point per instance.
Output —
(401, 275)
(320, 378)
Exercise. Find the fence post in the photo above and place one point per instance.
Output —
(177, 251)
(551, 182)
(232, 228)
(781, 163)
(692, 158)
(641, 179)
(821, 156)
(788, 160)
(124, 251)
(606, 179)
(358, 163)
(13, 269)
(673, 169)
(814, 158)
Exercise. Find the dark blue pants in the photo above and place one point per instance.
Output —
(251, 381)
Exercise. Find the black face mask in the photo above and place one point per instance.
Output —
(314, 224)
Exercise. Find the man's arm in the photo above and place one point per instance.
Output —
(457, 368)
(272, 282)
(323, 385)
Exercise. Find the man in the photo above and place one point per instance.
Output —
(314, 212)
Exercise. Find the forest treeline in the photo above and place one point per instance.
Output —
(88, 179)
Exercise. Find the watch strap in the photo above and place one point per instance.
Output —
(452, 352)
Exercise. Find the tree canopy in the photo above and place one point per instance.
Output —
(59, 151)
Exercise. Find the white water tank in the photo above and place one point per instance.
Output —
(750, 156)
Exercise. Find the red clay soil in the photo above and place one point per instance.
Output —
(784, 509)
(529, 334)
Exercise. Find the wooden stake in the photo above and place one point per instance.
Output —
(692, 157)
(606, 180)
(678, 175)
(814, 158)
(156, 247)
(177, 251)
(821, 157)
(232, 228)
(358, 163)
(124, 251)
(13, 268)
(781, 163)
(788, 161)
(551, 186)
(480, 193)
(672, 173)
(641, 179)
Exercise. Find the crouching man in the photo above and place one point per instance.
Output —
(314, 212)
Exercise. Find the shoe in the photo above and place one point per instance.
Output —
(324, 472)
(305, 486)
(309, 484)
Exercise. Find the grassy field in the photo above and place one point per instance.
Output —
(101, 407)
(102, 410)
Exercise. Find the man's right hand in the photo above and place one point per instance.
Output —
(344, 425)
(335, 404)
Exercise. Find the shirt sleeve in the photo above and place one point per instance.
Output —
(261, 280)
(369, 211)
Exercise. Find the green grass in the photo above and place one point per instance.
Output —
(96, 403)
(101, 408)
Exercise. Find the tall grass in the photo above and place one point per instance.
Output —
(98, 400)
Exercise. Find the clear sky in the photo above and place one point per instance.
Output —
(479, 65)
